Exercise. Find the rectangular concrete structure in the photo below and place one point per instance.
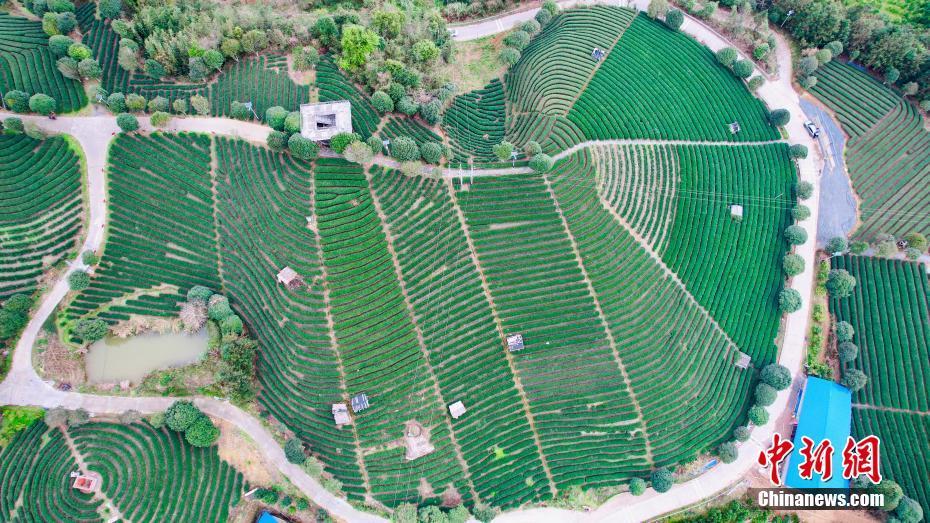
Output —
(320, 122)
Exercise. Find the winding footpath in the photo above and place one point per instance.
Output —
(24, 387)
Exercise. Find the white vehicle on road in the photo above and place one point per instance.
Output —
(812, 129)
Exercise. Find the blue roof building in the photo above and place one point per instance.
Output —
(826, 413)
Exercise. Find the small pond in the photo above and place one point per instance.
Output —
(112, 359)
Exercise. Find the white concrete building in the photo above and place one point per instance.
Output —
(320, 122)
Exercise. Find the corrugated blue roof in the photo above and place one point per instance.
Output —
(267, 517)
(826, 413)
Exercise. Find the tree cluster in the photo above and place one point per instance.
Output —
(198, 429)
(516, 41)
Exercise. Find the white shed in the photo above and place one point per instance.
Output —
(736, 212)
(320, 122)
(457, 409)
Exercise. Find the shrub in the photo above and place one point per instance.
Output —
(743, 68)
(916, 240)
(89, 258)
(127, 122)
(892, 75)
(292, 122)
(765, 394)
(200, 104)
(518, 40)
(159, 103)
(847, 351)
(662, 480)
(758, 416)
(179, 106)
(181, 415)
(637, 486)
(358, 152)
(800, 213)
(424, 51)
(340, 141)
(199, 293)
(858, 247)
(741, 433)
(274, 117)
(793, 264)
(727, 56)
(854, 379)
(13, 124)
(302, 148)
(503, 150)
(154, 69)
(885, 247)
(431, 111)
(135, 103)
(109, 8)
(294, 451)
(795, 235)
(674, 18)
(59, 44)
(17, 101)
(892, 491)
(836, 245)
(213, 59)
(277, 140)
(411, 169)
(550, 6)
(42, 104)
(68, 67)
(431, 152)
(218, 308)
(530, 26)
(912, 254)
(728, 452)
(375, 143)
(543, 17)
(840, 283)
(807, 66)
(803, 190)
(509, 56)
(407, 106)
(65, 22)
(160, 119)
(541, 163)
(78, 280)
(909, 511)
(382, 102)
(231, 325)
(779, 117)
(775, 375)
(202, 432)
(532, 148)
(239, 111)
(755, 83)
(844, 331)
(760, 51)
(405, 149)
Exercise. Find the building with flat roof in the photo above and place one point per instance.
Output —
(825, 413)
(457, 409)
(320, 122)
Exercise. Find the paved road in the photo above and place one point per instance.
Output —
(23, 386)
(838, 214)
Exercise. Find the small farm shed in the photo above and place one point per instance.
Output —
(341, 414)
(597, 54)
(743, 360)
(86, 483)
(734, 128)
(457, 409)
(320, 122)
(289, 278)
(514, 342)
(736, 212)
(359, 402)
(826, 413)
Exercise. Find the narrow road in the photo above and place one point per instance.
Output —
(23, 387)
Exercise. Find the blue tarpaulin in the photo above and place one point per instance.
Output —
(826, 413)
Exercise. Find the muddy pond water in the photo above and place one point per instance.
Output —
(112, 359)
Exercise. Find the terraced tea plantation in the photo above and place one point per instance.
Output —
(632, 287)
(149, 475)
(27, 64)
(889, 311)
(41, 209)
(887, 154)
